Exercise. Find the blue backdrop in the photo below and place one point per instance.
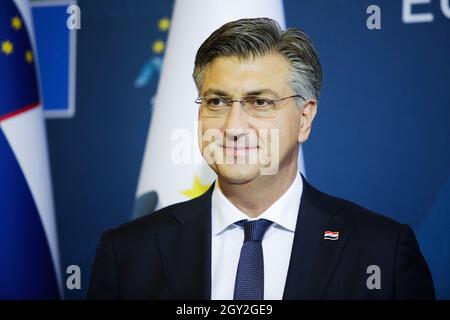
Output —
(381, 137)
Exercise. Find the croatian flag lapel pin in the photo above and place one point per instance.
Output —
(331, 235)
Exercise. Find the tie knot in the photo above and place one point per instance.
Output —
(254, 230)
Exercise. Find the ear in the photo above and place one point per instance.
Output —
(308, 112)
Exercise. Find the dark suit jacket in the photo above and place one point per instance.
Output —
(167, 254)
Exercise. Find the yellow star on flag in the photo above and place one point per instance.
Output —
(197, 189)
(28, 56)
(16, 23)
(7, 47)
(158, 46)
(164, 24)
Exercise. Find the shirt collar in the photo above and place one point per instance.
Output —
(283, 212)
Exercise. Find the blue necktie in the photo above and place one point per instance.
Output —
(249, 283)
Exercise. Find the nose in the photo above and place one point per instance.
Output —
(236, 123)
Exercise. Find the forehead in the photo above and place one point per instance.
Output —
(237, 76)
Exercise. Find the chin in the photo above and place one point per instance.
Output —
(238, 173)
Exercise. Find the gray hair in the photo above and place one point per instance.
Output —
(247, 38)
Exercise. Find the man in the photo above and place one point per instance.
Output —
(261, 231)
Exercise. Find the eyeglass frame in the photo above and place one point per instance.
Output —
(229, 100)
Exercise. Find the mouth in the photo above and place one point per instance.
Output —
(238, 150)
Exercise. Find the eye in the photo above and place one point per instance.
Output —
(260, 103)
(215, 102)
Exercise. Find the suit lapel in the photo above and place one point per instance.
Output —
(186, 250)
(314, 259)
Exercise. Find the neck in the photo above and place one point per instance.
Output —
(254, 197)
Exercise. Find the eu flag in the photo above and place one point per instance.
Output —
(28, 246)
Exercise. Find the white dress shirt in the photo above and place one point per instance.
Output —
(227, 240)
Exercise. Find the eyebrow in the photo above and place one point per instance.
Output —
(250, 93)
(262, 91)
(216, 92)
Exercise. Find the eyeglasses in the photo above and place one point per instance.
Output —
(217, 106)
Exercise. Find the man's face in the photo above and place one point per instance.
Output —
(240, 138)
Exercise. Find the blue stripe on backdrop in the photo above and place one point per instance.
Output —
(54, 54)
(26, 268)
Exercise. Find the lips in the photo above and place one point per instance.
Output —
(238, 151)
(237, 147)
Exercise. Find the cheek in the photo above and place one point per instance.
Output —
(289, 131)
(261, 130)
(209, 131)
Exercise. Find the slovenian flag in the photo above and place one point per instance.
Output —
(29, 262)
